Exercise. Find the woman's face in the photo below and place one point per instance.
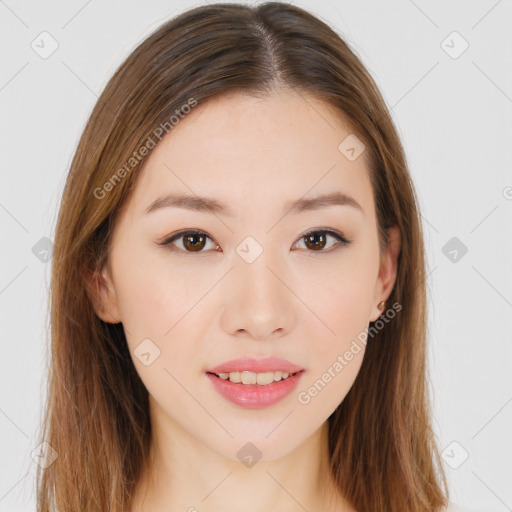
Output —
(253, 285)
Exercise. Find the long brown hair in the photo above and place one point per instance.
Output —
(383, 451)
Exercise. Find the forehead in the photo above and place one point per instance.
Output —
(250, 151)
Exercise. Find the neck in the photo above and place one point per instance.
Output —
(185, 474)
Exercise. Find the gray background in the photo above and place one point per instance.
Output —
(453, 113)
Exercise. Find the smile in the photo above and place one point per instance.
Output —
(255, 390)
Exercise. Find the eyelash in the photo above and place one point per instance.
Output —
(342, 241)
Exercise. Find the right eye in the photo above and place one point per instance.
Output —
(193, 240)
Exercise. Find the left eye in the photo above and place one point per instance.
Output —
(194, 240)
(317, 238)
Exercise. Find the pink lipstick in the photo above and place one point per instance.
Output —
(255, 383)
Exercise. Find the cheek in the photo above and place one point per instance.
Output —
(340, 303)
(328, 384)
(339, 293)
(155, 292)
(164, 306)
(336, 357)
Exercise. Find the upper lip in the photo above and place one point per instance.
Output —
(269, 364)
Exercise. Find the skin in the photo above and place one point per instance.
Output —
(294, 302)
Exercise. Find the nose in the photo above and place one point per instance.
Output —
(260, 305)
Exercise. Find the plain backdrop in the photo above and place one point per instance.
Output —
(445, 71)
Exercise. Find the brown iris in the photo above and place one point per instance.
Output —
(188, 242)
(313, 240)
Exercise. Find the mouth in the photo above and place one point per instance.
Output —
(255, 390)
(248, 378)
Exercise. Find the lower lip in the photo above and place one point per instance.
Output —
(254, 396)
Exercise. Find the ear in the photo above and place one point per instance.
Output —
(101, 292)
(387, 272)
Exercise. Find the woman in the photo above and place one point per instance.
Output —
(238, 284)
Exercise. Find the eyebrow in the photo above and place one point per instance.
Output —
(212, 206)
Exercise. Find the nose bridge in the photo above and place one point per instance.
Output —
(256, 266)
(260, 304)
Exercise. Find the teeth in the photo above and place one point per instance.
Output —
(255, 378)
